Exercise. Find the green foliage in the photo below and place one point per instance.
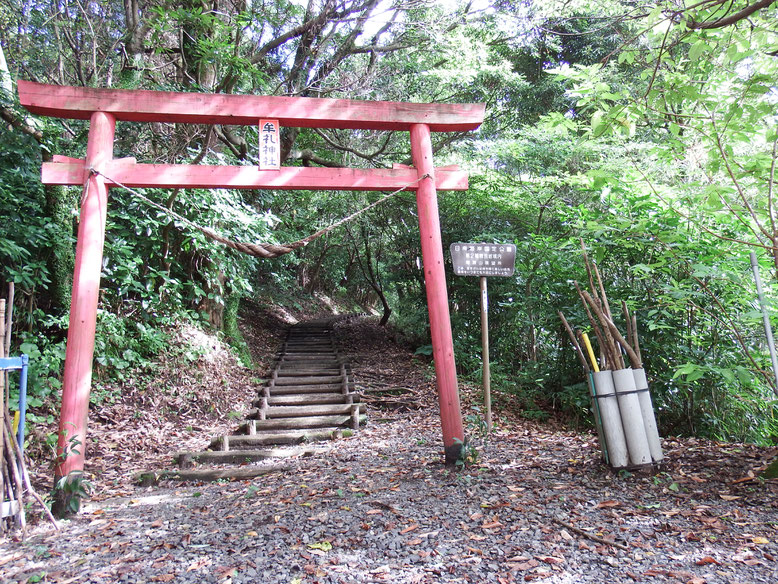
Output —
(650, 138)
(73, 489)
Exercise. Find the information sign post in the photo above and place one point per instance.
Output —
(484, 259)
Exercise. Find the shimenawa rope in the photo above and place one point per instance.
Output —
(262, 250)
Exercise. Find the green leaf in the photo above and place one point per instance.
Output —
(697, 49)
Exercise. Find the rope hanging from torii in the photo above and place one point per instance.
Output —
(262, 250)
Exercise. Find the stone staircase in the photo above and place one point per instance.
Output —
(309, 397)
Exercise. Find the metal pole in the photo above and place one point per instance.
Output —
(437, 295)
(768, 330)
(485, 353)
(80, 348)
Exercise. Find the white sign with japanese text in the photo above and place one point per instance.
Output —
(483, 259)
(269, 145)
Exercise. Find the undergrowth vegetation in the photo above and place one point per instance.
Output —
(650, 140)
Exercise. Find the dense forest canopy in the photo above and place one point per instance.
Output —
(647, 130)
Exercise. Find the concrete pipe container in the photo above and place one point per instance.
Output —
(611, 419)
(647, 410)
(631, 417)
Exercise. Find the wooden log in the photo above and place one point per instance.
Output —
(628, 322)
(150, 478)
(240, 456)
(241, 442)
(26, 477)
(281, 381)
(615, 334)
(305, 372)
(301, 389)
(307, 422)
(309, 410)
(606, 307)
(310, 399)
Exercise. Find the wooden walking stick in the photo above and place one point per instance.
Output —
(576, 346)
(2, 401)
(604, 349)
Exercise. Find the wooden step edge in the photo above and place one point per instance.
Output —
(303, 423)
(188, 459)
(276, 412)
(153, 477)
(310, 399)
(271, 437)
(306, 389)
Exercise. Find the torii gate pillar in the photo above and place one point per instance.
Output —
(437, 295)
(77, 382)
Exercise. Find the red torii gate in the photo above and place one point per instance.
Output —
(104, 107)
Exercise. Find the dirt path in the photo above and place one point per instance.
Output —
(377, 507)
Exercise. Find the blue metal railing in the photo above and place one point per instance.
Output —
(19, 364)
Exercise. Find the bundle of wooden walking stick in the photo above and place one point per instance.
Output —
(15, 484)
(621, 401)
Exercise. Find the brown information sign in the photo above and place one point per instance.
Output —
(483, 259)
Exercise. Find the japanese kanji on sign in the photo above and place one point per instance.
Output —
(269, 145)
(483, 259)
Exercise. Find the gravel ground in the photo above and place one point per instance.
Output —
(380, 507)
(535, 504)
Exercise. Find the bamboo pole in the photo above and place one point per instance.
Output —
(2, 400)
(635, 338)
(628, 321)
(606, 307)
(26, 478)
(576, 345)
(616, 360)
(604, 352)
(616, 335)
(16, 490)
(588, 266)
(9, 318)
(768, 330)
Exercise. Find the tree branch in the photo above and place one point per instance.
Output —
(14, 120)
(732, 18)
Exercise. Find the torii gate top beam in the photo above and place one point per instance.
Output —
(245, 110)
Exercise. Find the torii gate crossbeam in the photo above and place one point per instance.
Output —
(103, 107)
